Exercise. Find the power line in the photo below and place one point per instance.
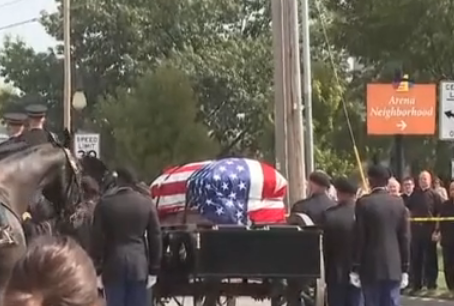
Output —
(27, 21)
(10, 3)
(16, 24)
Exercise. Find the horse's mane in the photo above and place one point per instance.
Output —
(23, 152)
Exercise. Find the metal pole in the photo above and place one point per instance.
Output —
(67, 64)
(307, 86)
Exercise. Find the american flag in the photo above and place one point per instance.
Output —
(237, 191)
(169, 190)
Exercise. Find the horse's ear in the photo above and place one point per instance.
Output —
(66, 141)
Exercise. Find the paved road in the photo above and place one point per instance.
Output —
(406, 301)
(411, 301)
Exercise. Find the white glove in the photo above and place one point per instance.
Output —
(99, 282)
(355, 280)
(404, 281)
(151, 281)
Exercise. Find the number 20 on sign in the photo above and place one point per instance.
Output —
(408, 110)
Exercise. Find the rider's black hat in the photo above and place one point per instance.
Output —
(344, 185)
(379, 172)
(14, 118)
(320, 178)
(36, 111)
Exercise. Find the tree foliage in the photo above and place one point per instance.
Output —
(154, 123)
(222, 46)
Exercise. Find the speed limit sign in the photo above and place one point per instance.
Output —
(86, 145)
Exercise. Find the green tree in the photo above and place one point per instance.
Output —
(384, 36)
(114, 43)
(154, 123)
(233, 82)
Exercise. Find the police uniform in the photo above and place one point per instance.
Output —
(382, 242)
(36, 136)
(15, 119)
(126, 245)
(317, 203)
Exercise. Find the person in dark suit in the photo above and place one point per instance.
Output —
(318, 201)
(424, 202)
(408, 185)
(338, 226)
(15, 124)
(36, 134)
(382, 243)
(447, 238)
(126, 242)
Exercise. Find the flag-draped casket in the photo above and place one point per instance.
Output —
(225, 191)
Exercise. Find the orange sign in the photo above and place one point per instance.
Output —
(404, 109)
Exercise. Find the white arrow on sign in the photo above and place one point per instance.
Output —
(402, 125)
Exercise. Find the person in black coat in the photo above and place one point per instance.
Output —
(36, 134)
(15, 125)
(447, 238)
(126, 242)
(381, 255)
(318, 201)
(424, 202)
(338, 226)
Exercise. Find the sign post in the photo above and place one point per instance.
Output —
(446, 121)
(400, 111)
(452, 169)
(87, 144)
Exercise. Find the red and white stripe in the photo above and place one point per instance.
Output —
(169, 190)
(267, 192)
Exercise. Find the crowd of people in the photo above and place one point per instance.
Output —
(375, 244)
(378, 244)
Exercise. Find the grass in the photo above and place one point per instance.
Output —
(442, 291)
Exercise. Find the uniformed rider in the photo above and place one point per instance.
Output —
(338, 239)
(15, 124)
(36, 134)
(319, 200)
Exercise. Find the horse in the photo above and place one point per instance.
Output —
(49, 168)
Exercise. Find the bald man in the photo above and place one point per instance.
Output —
(393, 187)
(424, 202)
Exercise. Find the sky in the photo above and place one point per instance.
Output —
(13, 12)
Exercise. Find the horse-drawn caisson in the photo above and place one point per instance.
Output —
(225, 236)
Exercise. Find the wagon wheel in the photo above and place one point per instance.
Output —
(160, 301)
(214, 301)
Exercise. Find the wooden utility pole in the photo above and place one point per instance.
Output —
(290, 114)
(280, 115)
(295, 135)
(67, 64)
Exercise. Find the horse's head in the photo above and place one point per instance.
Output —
(63, 187)
(97, 169)
(46, 167)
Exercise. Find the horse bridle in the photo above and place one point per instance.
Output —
(72, 179)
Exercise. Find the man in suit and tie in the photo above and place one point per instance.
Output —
(382, 243)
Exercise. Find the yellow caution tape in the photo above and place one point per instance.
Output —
(432, 219)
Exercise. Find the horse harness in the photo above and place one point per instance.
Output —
(7, 235)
